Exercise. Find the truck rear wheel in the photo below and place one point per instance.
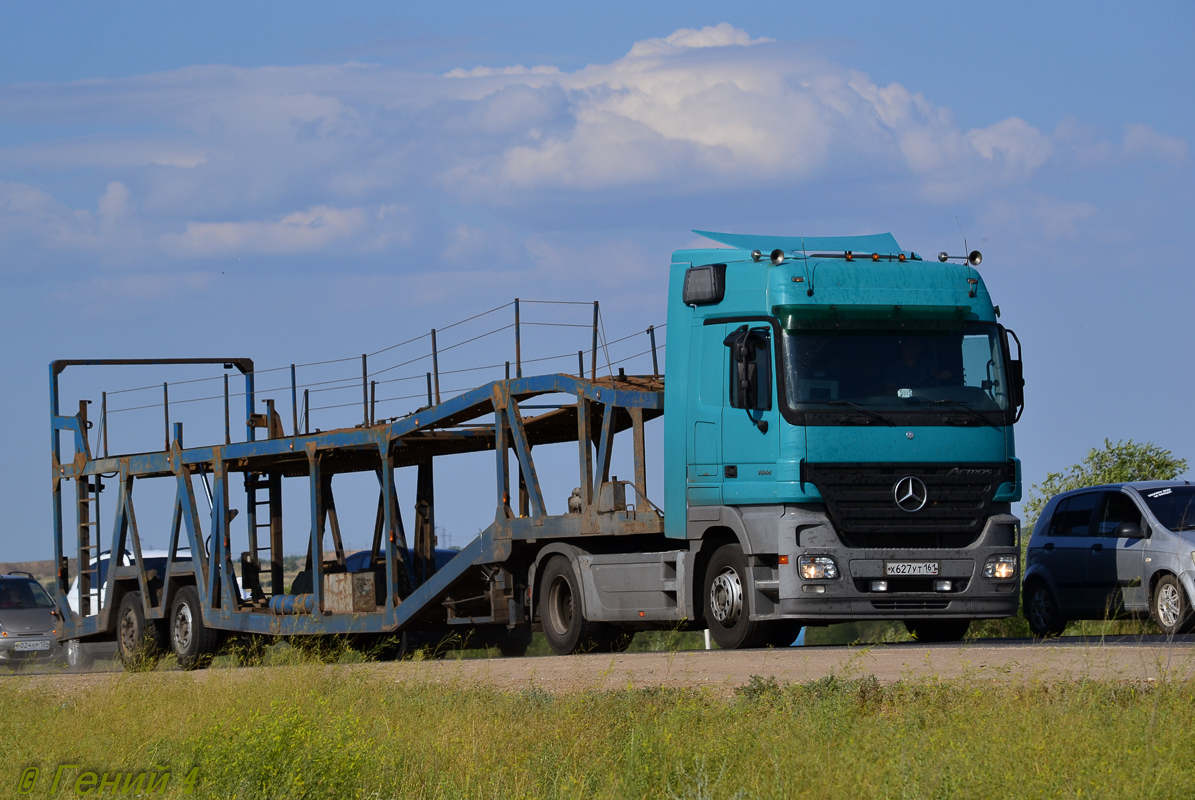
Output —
(727, 604)
(138, 640)
(192, 642)
(562, 614)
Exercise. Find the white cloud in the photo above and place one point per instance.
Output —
(721, 35)
(215, 161)
(299, 232)
(1143, 141)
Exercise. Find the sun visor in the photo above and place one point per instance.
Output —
(813, 316)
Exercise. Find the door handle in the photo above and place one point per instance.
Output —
(1048, 546)
(1097, 548)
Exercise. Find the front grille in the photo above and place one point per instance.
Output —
(860, 500)
(910, 605)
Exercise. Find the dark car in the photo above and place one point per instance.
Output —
(1117, 550)
(28, 627)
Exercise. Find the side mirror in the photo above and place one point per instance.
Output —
(1128, 530)
(1016, 371)
(750, 391)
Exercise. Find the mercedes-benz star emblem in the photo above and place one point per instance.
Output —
(910, 494)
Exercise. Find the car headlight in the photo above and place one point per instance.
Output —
(817, 568)
(1001, 568)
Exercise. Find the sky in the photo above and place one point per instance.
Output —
(303, 183)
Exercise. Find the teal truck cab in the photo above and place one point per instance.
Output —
(839, 415)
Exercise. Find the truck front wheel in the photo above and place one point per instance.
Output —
(562, 614)
(727, 604)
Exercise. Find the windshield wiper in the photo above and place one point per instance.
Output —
(864, 409)
(961, 406)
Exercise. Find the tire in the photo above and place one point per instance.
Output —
(1170, 608)
(562, 614)
(78, 655)
(515, 643)
(138, 640)
(727, 606)
(1041, 610)
(937, 630)
(192, 642)
(783, 633)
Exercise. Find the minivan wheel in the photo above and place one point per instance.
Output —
(138, 640)
(1041, 610)
(1170, 608)
(192, 642)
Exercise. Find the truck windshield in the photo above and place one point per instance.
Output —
(915, 371)
(1174, 506)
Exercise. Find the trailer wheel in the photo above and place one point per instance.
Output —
(192, 642)
(138, 640)
(515, 643)
(727, 605)
(565, 626)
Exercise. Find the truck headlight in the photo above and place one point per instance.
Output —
(817, 568)
(1001, 568)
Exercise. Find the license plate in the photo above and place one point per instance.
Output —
(910, 569)
(40, 645)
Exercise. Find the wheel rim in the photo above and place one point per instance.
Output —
(128, 631)
(1039, 607)
(1169, 605)
(560, 605)
(182, 628)
(726, 597)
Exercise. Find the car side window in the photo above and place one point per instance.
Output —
(1075, 518)
(1057, 516)
(1117, 509)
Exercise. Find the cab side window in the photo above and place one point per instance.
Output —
(1073, 517)
(1117, 509)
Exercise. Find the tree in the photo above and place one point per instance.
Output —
(1115, 463)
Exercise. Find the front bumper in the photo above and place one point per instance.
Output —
(849, 597)
(16, 649)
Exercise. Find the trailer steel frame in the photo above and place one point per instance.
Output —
(490, 571)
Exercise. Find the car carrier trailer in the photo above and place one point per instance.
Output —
(819, 466)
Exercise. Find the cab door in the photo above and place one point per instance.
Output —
(1071, 529)
(1115, 564)
(707, 365)
(750, 417)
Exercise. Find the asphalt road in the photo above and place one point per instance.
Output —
(1129, 658)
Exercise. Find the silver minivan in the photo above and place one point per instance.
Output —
(1124, 549)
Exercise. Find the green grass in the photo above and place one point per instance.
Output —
(310, 731)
